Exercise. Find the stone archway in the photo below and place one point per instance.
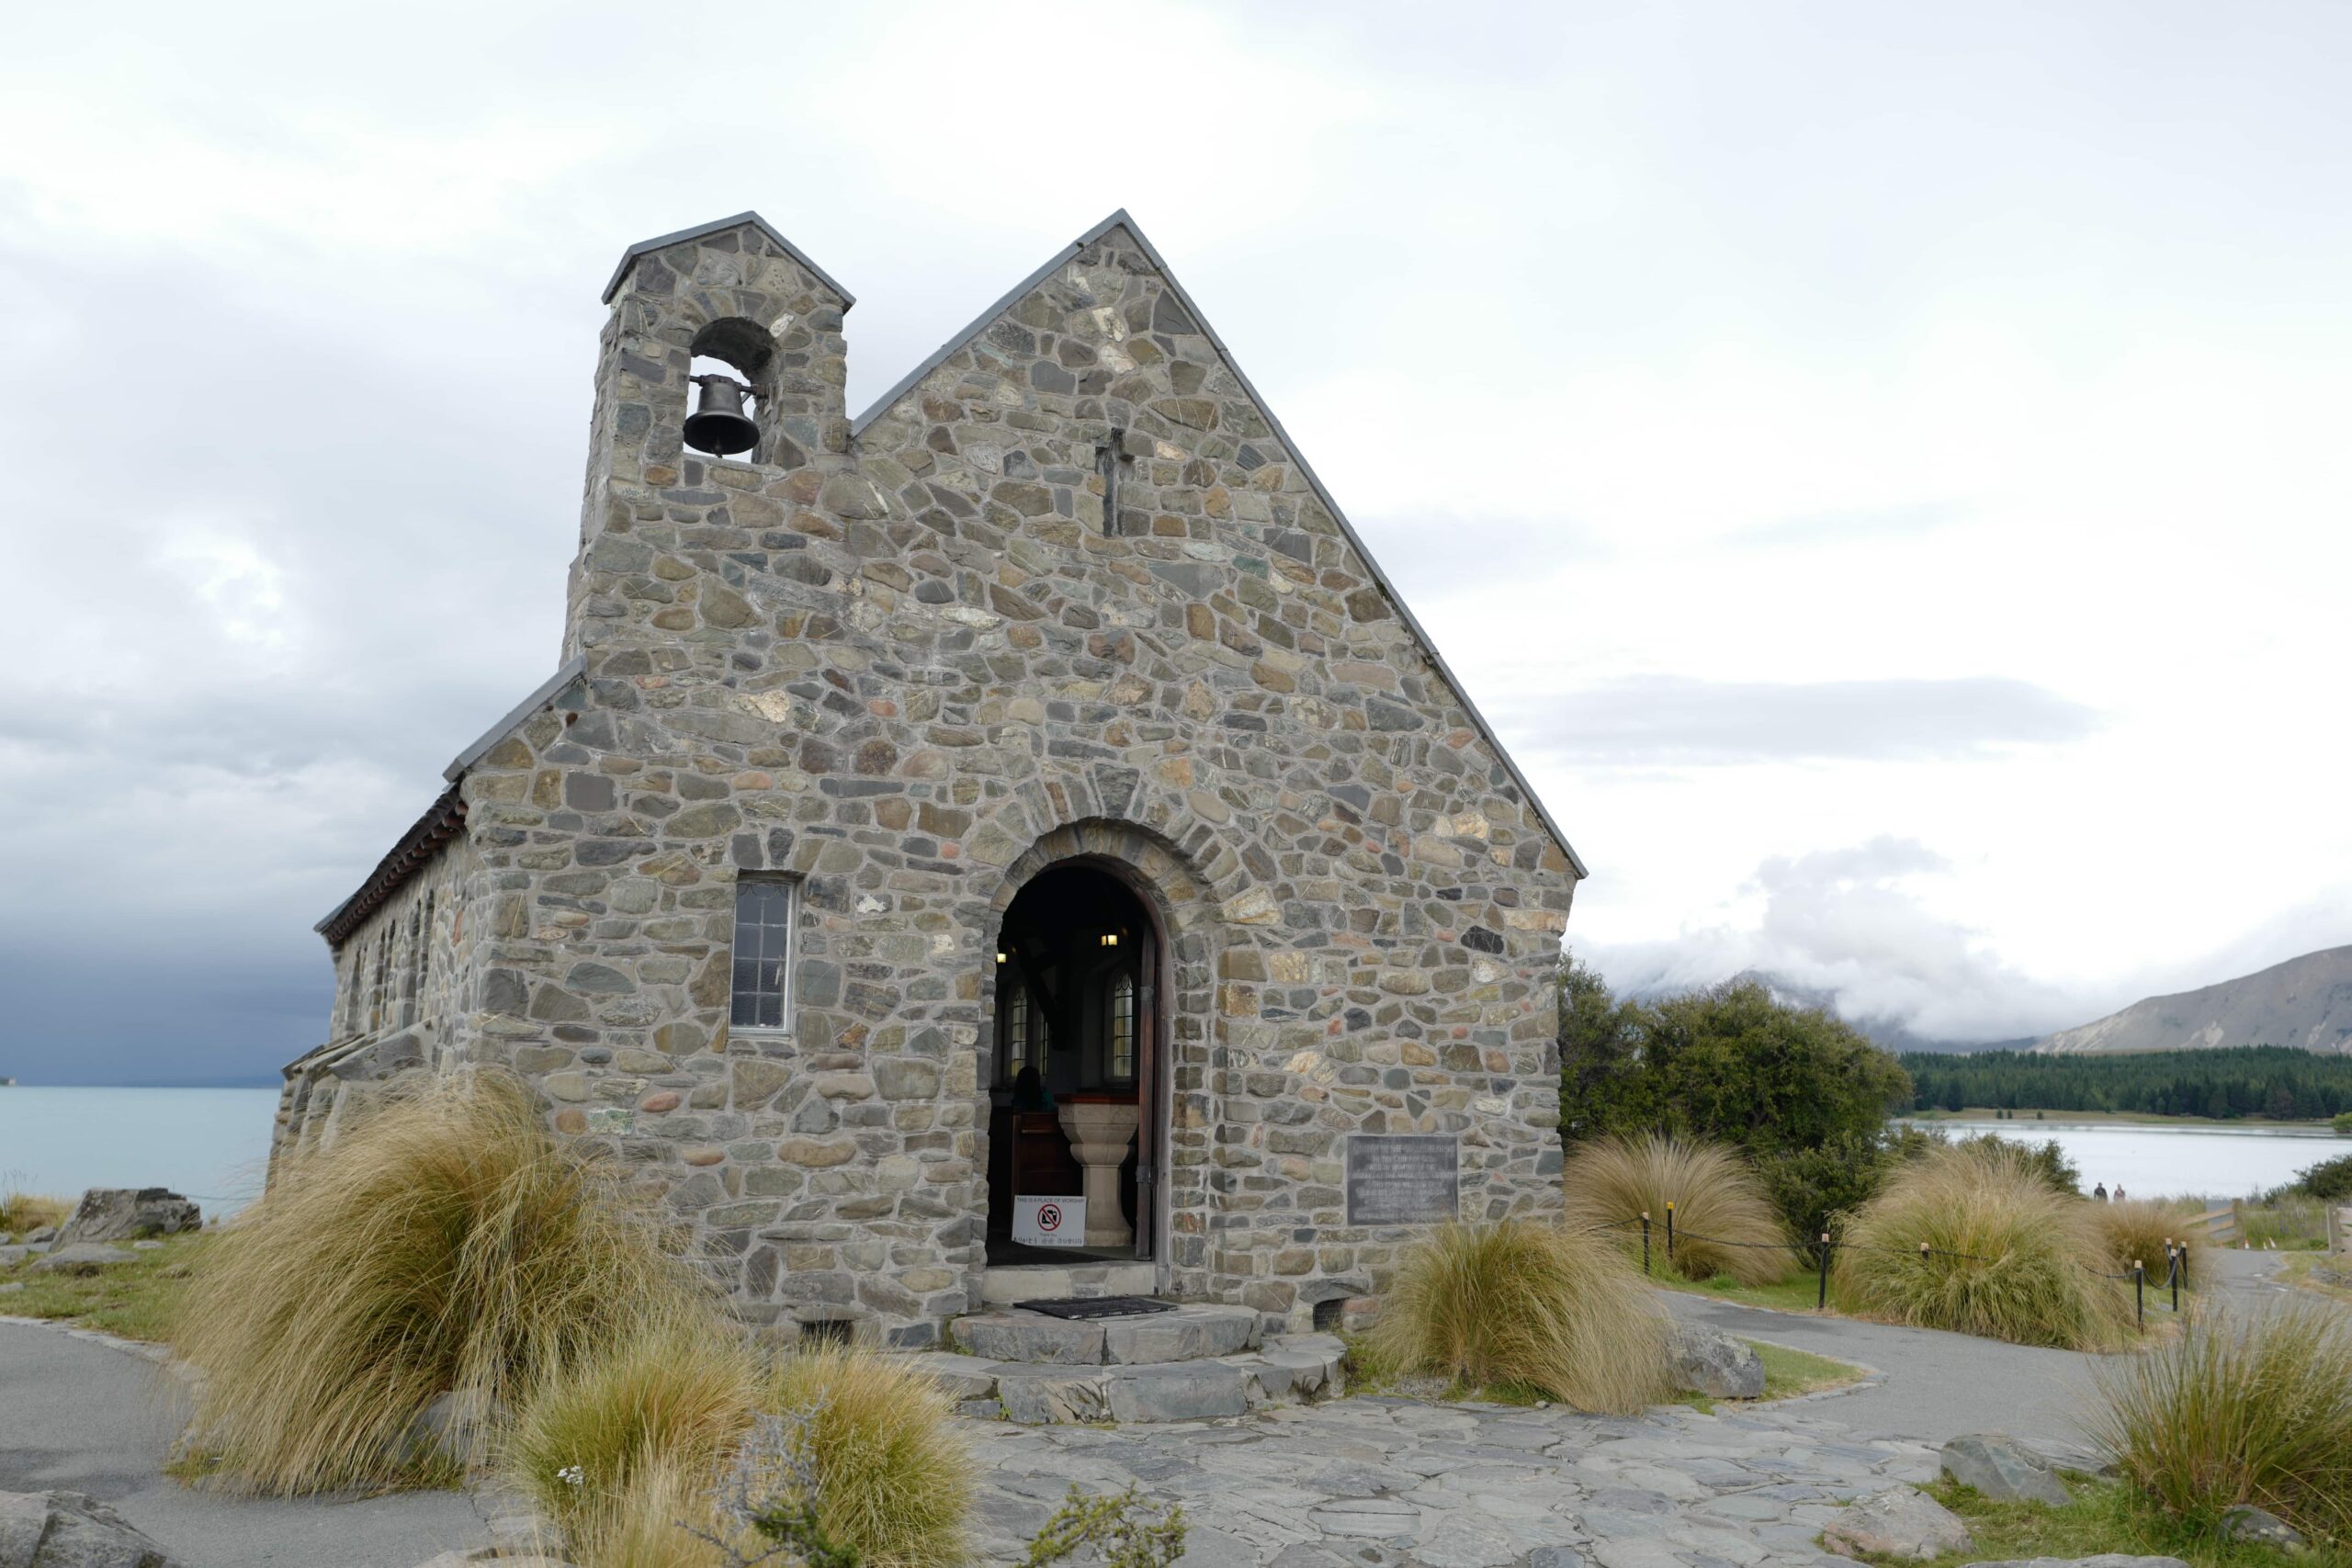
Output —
(1183, 912)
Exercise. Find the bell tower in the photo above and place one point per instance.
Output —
(719, 379)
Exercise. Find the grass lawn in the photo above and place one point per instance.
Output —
(134, 1300)
(1797, 1293)
(2321, 1275)
(2104, 1517)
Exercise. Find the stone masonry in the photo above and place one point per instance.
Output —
(1066, 592)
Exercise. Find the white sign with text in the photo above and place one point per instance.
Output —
(1049, 1220)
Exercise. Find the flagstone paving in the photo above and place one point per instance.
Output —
(1392, 1483)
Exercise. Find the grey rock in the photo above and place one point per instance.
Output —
(453, 1425)
(39, 1236)
(12, 1256)
(70, 1530)
(1054, 1395)
(1033, 1338)
(2246, 1522)
(1183, 1335)
(2002, 1469)
(124, 1214)
(963, 1377)
(82, 1257)
(1710, 1363)
(1180, 1391)
(1901, 1521)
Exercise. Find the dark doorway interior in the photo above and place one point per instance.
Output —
(1075, 1027)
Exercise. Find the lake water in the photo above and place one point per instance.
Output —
(2217, 1161)
(210, 1144)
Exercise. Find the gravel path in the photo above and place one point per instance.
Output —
(93, 1415)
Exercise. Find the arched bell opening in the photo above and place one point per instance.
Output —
(1074, 1105)
(730, 369)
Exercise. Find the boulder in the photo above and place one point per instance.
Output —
(12, 1256)
(122, 1214)
(2246, 1522)
(2003, 1469)
(39, 1236)
(82, 1257)
(1901, 1521)
(70, 1530)
(1712, 1363)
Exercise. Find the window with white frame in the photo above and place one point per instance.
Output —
(763, 920)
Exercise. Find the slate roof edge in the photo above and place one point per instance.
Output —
(1404, 612)
(572, 669)
(660, 242)
(440, 823)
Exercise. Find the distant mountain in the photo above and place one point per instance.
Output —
(2304, 1002)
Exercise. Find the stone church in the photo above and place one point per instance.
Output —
(1012, 843)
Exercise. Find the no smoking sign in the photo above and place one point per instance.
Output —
(1049, 1220)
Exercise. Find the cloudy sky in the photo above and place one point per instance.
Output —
(1885, 468)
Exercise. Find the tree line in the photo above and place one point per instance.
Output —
(2230, 1084)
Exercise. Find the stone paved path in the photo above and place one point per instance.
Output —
(1392, 1483)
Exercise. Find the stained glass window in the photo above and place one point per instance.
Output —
(762, 951)
(1123, 1027)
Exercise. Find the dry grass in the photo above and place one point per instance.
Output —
(1521, 1304)
(21, 1211)
(671, 1399)
(2138, 1229)
(620, 1448)
(2243, 1407)
(893, 1479)
(2011, 1259)
(447, 1242)
(1716, 1198)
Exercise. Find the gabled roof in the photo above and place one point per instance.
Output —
(1063, 257)
(751, 219)
(441, 819)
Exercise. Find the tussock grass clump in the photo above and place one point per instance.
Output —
(2137, 1229)
(893, 1479)
(1715, 1194)
(2243, 1407)
(447, 1242)
(1517, 1302)
(2029, 1264)
(599, 1435)
(30, 1211)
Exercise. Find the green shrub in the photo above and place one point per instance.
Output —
(30, 1211)
(1517, 1302)
(2243, 1407)
(2009, 1259)
(2342, 1122)
(445, 1241)
(1725, 1223)
(1818, 1190)
(2046, 1161)
(2330, 1180)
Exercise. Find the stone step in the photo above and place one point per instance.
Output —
(1291, 1366)
(1188, 1334)
(1051, 1282)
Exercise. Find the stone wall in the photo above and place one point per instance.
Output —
(401, 1000)
(1068, 595)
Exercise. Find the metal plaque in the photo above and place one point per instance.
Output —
(1403, 1179)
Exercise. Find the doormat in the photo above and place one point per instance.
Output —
(1097, 1306)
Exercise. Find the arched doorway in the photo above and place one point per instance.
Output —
(1074, 1106)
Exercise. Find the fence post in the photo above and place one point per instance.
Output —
(2184, 1265)
(2172, 1268)
(1670, 1230)
(1923, 1252)
(1646, 1243)
(1823, 1303)
(2140, 1292)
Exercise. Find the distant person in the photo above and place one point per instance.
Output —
(2099, 1192)
(2119, 1191)
(1029, 1091)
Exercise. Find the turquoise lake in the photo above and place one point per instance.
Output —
(210, 1144)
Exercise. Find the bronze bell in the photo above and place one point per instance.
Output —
(718, 423)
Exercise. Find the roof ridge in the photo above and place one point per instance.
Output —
(661, 241)
(1120, 218)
